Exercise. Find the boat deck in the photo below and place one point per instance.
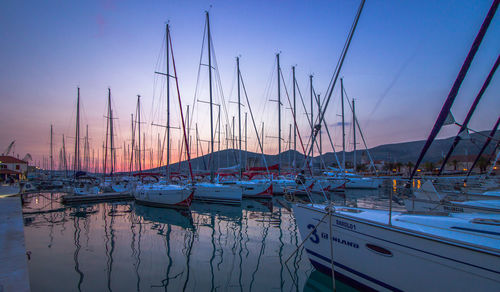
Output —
(474, 229)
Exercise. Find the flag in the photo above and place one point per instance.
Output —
(450, 120)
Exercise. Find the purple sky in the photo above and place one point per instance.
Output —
(403, 61)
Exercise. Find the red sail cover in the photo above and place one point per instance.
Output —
(270, 168)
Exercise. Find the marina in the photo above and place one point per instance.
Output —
(142, 167)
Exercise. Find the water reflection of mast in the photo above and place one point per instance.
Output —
(298, 255)
(265, 231)
(134, 251)
(212, 224)
(169, 267)
(281, 248)
(240, 240)
(76, 239)
(188, 257)
(138, 285)
(109, 252)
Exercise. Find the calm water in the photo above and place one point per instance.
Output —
(128, 247)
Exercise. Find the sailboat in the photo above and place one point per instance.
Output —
(385, 250)
(212, 192)
(262, 189)
(83, 184)
(166, 194)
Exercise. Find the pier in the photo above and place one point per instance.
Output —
(14, 268)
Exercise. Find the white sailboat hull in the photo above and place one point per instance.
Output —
(164, 195)
(218, 193)
(369, 254)
(253, 189)
(362, 183)
(328, 185)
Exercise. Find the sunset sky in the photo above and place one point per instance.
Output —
(403, 60)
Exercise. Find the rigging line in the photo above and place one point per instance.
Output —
(340, 62)
(328, 132)
(157, 66)
(303, 104)
(181, 112)
(339, 67)
(254, 126)
(295, 122)
(199, 71)
(316, 142)
(456, 85)
(488, 140)
(219, 87)
(218, 84)
(372, 164)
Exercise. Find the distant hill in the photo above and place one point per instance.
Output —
(397, 152)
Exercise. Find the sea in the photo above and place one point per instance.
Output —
(123, 246)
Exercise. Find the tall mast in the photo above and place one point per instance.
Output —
(76, 165)
(218, 137)
(139, 124)
(104, 160)
(343, 128)
(211, 105)
(318, 99)
(289, 147)
(279, 113)
(51, 158)
(144, 150)
(133, 144)
(294, 114)
(232, 135)
(246, 137)
(354, 133)
(112, 152)
(64, 157)
(188, 145)
(239, 112)
(168, 103)
(312, 117)
(456, 85)
(107, 134)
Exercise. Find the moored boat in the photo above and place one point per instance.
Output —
(461, 250)
(164, 195)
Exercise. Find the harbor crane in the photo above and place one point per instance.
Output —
(7, 151)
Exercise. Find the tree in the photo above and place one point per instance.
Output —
(482, 163)
(429, 166)
(398, 166)
(454, 162)
(410, 166)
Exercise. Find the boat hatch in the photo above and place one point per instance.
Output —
(495, 222)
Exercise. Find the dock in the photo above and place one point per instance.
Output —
(93, 198)
(14, 268)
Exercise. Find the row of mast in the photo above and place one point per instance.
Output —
(137, 123)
